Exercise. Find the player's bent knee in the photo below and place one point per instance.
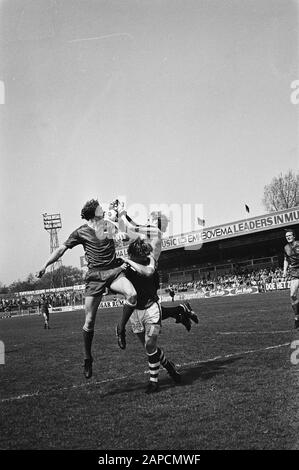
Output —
(131, 294)
(131, 299)
(151, 344)
(150, 347)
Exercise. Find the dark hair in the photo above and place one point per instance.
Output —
(290, 230)
(89, 209)
(138, 251)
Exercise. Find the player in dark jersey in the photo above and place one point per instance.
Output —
(104, 269)
(44, 306)
(182, 313)
(291, 264)
(146, 317)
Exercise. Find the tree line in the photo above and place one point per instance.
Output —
(64, 276)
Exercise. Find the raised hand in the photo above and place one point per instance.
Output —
(40, 273)
(117, 205)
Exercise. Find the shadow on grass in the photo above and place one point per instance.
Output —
(12, 351)
(128, 387)
(206, 370)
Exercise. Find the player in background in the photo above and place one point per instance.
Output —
(153, 232)
(44, 306)
(146, 317)
(291, 265)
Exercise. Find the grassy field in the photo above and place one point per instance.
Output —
(239, 390)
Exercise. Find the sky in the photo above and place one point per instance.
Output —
(161, 101)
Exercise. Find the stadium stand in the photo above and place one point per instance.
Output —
(29, 303)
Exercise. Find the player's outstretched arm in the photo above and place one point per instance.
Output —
(54, 257)
(127, 224)
(156, 244)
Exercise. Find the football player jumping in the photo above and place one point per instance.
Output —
(182, 313)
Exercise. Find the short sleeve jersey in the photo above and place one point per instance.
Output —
(146, 288)
(291, 252)
(45, 305)
(99, 251)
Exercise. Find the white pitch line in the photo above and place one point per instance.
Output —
(98, 38)
(252, 332)
(226, 356)
(88, 384)
(62, 389)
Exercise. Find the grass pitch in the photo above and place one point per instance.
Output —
(239, 390)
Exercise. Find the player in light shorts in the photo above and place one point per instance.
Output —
(147, 321)
(182, 313)
(146, 317)
(291, 264)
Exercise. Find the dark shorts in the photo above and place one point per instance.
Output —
(97, 281)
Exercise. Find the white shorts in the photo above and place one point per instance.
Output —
(148, 320)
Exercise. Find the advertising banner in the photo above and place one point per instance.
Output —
(233, 229)
(229, 291)
(278, 285)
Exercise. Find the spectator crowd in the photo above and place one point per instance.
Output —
(32, 303)
(210, 282)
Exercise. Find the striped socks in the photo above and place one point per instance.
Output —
(154, 365)
(164, 362)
